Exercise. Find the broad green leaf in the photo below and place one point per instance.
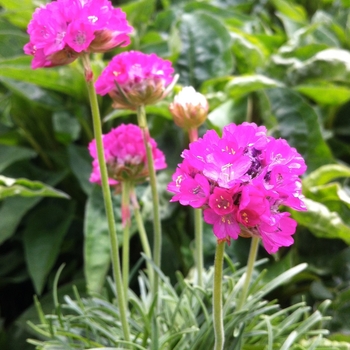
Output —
(239, 86)
(325, 93)
(205, 51)
(66, 79)
(12, 41)
(66, 127)
(19, 12)
(298, 124)
(33, 93)
(42, 239)
(291, 10)
(139, 12)
(11, 154)
(328, 65)
(23, 187)
(13, 209)
(325, 174)
(81, 164)
(322, 222)
(97, 247)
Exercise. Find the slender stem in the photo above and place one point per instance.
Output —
(198, 226)
(157, 244)
(106, 196)
(217, 296)
(250, 266)
(143, 235)
(126, 234)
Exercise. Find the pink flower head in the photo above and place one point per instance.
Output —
(125, 155)
(133, 79)
(61, 30)
(245, 176)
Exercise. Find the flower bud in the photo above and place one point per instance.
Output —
(189, 109)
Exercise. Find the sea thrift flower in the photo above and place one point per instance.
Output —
(62, 30)
(125, 156)
(189, 108)
(133, 79)
(240, 180)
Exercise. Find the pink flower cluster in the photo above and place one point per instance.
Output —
(240, 180)
(134, 78)
(61, 30)
(125, 155)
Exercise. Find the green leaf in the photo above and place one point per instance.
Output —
(239, 86)
(249, 52)
(33, 93)
(298, 124)
(19, 12)
(66, 127)
(11, 154)
(66, 79)
(97, 242)
(23, 187)
(205, 51)
(139, 12)
(42, 238)
(291, 10)
(327, 65)
(322, 222)
(12, 40)
(81, 164)
(325, 93)
(325, 174)
(13, 209)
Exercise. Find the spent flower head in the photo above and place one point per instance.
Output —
(189, 108)
(240, 180)
(62, 30)
(133, 79)
(125, 156)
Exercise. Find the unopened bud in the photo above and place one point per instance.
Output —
(189, 109)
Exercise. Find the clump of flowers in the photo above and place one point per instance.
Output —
(189, 108)
(241, 180)
(125, 156)
(133, 79)
(61, 30)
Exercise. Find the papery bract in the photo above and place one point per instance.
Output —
(133, 79)
(250, 175)
(125, 155)
(189, 108)
(62, 30)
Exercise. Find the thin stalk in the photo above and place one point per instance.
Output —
(143, 235)
(217, 297)
(106, 196)
(198, 226)
(250, 267)
(126, 234)
(157, 229)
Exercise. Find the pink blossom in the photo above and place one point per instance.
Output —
(134, 78)
(125, 155)
(61, 30)
(249, 175)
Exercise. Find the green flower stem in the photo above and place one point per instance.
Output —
(143, 235)
(217, 296)
(106, 196)
(126, 234)
(198, 226)
(250, 267)
(157, 246)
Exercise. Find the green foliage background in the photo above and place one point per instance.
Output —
(281, 63)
